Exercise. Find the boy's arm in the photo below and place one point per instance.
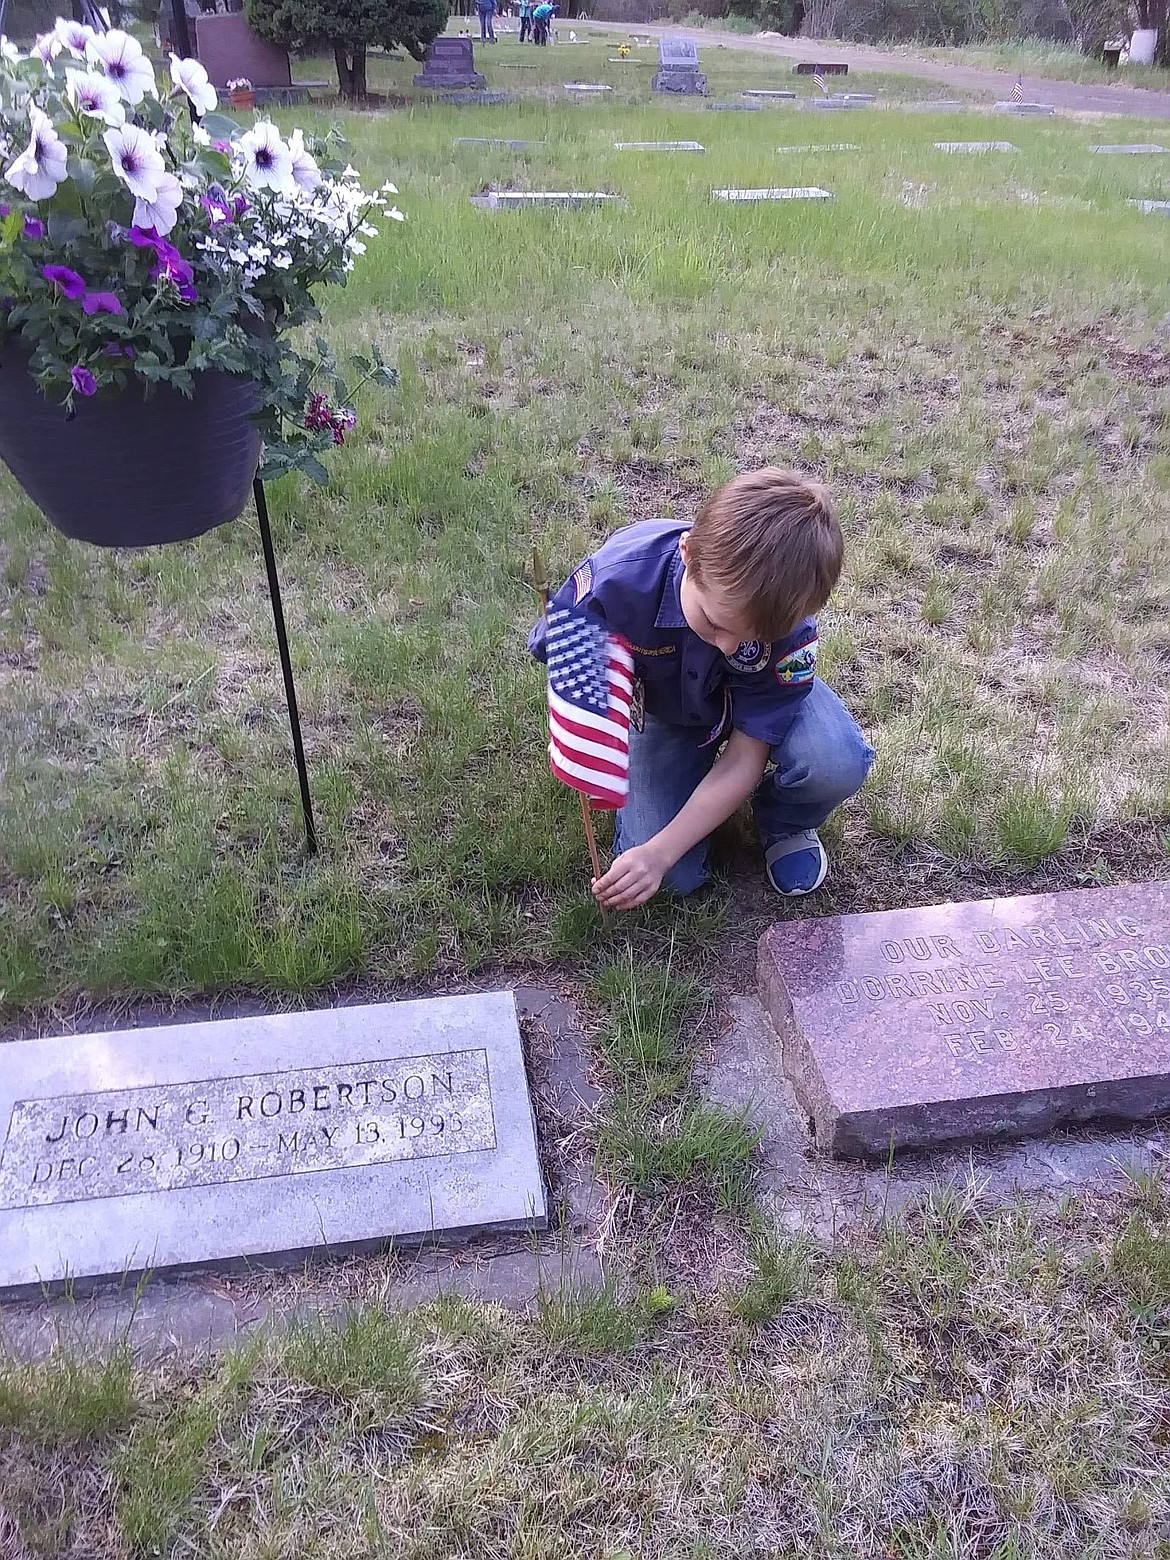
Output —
(637, 874)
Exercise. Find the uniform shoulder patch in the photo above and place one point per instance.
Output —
(582, 582)
(798, 666)
(752, 655)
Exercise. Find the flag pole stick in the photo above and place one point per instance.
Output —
(540, 580)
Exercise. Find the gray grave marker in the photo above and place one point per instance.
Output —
(678, 67)
(586, 86)
(974, 146)
(1025, 109)
(737, 108)
(450, 62)
(768, 94)
(935, 106)
(825, 146)
(496, 200)
(659, 146)
(263, 1137)
(480, 140)
(1136, 149)
(1148, 206)
(806, 192)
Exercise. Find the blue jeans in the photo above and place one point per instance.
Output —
(487, 26)
(821, 762)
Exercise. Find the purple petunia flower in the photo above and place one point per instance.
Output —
(4, 210)
(102, 303)
(34, 227)
(65, 280)
(216, 203)
(82, 380)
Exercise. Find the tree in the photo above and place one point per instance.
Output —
(349, 27)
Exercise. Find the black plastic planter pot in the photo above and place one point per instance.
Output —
(131, 469)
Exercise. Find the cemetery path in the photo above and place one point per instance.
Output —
(1067, 96)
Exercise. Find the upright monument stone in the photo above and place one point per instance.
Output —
(998, 1018)
(450, 66)
(678, 67)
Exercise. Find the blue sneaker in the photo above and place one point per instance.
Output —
(795, 864)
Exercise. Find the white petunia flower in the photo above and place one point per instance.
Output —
(120, 57)
(41, 166)
(136, 160)
(9, 51)
(388, 188)
(305, 172)
(162, 212)
(190, 77)
(200, 135)
(267, 160)
(46, 48)
(95, 95)
(74, 36)
(398, 216)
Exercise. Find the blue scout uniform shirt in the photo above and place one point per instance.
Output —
(631, 584)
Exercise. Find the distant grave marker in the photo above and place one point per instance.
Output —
(1025, 109)
(935, 106)
(769, 94)
(825, 146)
(1001, 1018)
(480, 140)
(659, 146)
(678, 67)
(263, 1137)
(1136, 149)
(807, 192)
(737, 108)
(1161, 206)
(450, 63)
(507, 200)
(587, 87)
(974, 146)
(828, 68)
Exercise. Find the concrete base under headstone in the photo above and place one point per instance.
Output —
(264, 1138)
(1000, 1018)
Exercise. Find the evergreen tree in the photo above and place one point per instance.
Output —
(349, 27)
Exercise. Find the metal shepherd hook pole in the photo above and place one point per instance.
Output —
(294, 718)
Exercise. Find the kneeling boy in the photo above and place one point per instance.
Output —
(719, 617)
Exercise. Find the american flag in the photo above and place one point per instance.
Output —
(590, 685)
(819, 81)
(1018, 90)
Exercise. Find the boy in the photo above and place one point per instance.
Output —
(526, 19)
(487, 11)
(719, 617)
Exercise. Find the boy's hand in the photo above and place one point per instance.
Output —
(635, 877)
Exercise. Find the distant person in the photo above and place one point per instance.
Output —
(542, 16)
(487, 26)
(526, 9)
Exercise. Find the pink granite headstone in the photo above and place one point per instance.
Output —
(229, 50)
(995, 1019)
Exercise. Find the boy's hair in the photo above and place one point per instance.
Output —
(769, 541)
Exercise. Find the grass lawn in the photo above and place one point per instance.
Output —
(957, 1386)
(1035, 58)
(966, 348)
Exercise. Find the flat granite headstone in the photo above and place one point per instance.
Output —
(496, 200)
(1148, 206)
(974, 146)
(809, 192)
(767, 92)
(737, 108)
(263, 1137)
(1025, 108)
(935, 106)
(450, 62)
(678, 67)
(659, 146)
(825, 68)
(1137, 149)
(481, 140)
(825, 146)
(1001, 1018)
(586, 86)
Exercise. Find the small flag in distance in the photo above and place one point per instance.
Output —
(819, 81)
(590, 686)
(1018, 90)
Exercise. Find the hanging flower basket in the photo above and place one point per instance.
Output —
(131, 468)
(155, 259)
